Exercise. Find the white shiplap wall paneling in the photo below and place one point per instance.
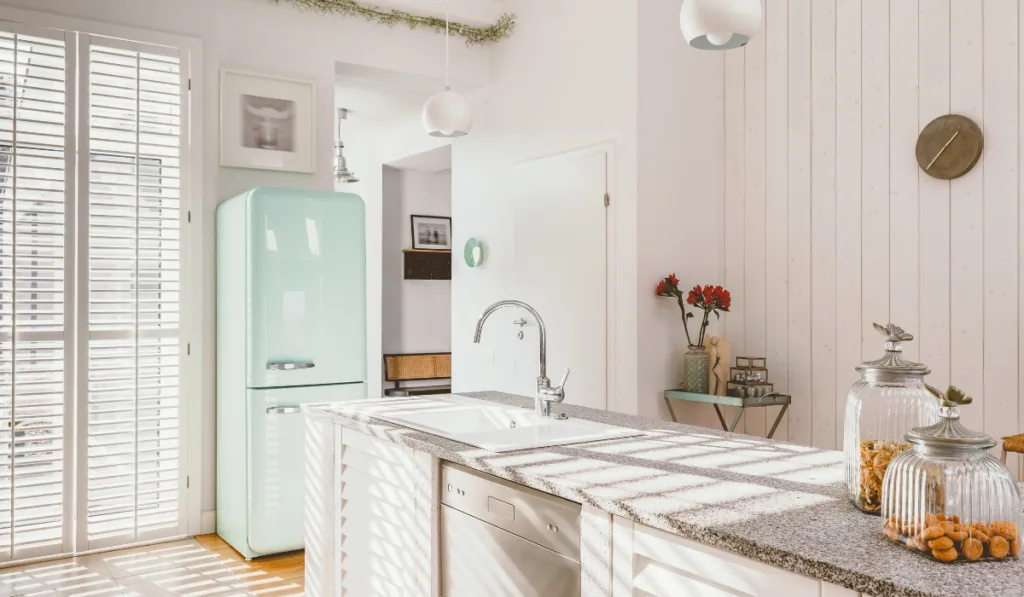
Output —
(754, 299)
(1000, 205)
(966, 230)
(823, 223)
(933, 336)
(849, 330)
(839, 226)
(903, 171)
(776, 254)
(735, 218)
(800, 413)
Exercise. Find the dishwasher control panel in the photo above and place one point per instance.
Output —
(544, 519)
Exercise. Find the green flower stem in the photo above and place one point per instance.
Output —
(686, 328)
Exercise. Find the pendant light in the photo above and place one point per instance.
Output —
(719, 24)
(446, 113)
(341, 172)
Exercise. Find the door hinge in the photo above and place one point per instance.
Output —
(188, 349)
(188, 482)
(190, 83)
(190, 216)
(607, 199)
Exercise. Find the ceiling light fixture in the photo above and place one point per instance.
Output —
(341, 172)
(446, 113)
(719, 24)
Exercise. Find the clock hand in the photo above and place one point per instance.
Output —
(931, 163)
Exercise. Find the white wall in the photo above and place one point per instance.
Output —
(566, 79)
(836, 226)
(264, 37)
(417, 314)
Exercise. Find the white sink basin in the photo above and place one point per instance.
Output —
(487, 425)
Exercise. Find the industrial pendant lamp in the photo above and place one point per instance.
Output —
(341, 172)
(719, 24)
(446, 113)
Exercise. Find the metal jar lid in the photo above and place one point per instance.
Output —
(949, 434)
(892, 366)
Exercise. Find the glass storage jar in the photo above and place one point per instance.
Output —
(948, 497)
(888, 401)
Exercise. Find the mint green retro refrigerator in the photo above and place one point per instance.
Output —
(291, 330)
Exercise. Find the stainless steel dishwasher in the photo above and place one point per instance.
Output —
(501, 539)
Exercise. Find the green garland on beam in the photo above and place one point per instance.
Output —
(350, 8)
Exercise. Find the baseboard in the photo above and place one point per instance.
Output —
(208, 522)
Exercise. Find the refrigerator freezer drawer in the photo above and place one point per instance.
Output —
(276, 462)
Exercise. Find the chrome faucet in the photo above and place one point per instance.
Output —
(546, 394)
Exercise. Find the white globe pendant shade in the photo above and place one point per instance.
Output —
(447, 114)
(719, 24)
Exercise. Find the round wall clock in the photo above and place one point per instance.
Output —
(949, 146)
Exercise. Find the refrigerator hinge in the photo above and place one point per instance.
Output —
(607, 199)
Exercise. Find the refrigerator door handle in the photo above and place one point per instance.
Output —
(283, 410)
(289, 366)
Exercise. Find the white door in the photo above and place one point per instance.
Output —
(560, 241)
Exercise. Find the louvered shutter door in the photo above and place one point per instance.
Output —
(35, 342)
(130, 346)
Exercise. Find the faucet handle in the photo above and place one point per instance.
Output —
(565, 376)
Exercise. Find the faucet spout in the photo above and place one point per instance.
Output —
(540, 323)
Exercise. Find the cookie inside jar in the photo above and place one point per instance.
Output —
(950, 539)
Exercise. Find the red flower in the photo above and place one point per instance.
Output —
(675, 281)
(660, 291)
(695, 296)
(725, 300)
(709, 295)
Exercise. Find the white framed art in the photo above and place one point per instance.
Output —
(266, 122)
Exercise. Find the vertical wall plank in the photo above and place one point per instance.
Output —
(1001, 198)
(903, 201)
(849, 325)
(966, 225)
(823, 222)
(875, 188)
(754, 237)
(776, 203)
(735, 219)
(801, 417)
(933, 202)
(1019, 468)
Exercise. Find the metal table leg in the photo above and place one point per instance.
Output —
(720, 418)
(739, 413)
(778, 419)
(668, 403)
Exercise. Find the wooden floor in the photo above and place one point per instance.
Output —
(202, 567)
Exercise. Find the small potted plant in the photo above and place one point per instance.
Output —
(710, 299)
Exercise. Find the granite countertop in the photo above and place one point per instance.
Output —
(771, 501)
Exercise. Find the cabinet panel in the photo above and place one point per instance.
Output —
(385, 523)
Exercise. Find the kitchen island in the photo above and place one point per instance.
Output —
(677, 508)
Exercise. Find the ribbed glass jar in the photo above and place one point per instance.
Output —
(949, 498)
(888, 401)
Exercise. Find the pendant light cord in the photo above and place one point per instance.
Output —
(446, 58)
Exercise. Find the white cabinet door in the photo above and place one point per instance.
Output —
(386, 518)
(370, 515)
(652, 563)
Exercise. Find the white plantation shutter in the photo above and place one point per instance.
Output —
(35, 314)
(130, 407)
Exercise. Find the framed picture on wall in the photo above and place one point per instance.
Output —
(266, 122)
(432, 233)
